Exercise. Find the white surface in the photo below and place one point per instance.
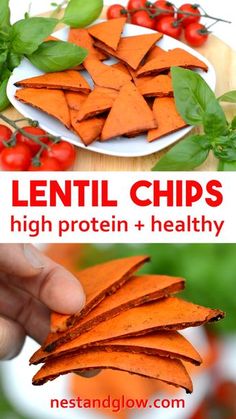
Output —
(35, 401)
(225, 10)
(122, 146)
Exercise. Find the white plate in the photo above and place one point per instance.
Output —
(121, 146)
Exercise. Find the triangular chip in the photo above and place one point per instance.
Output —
(159, 86)
(89, 130)
(99, 281)
(100, 100)
(129, 114)
(137, 291)
(106, 76)
(81, 38)
(169, 344)
(172, 121)
(132, 49)
(108, 32)
(154, 53)
(171, 371)
(75, 100)
(122, 67)
(175, 57)
(65, 80)
(167, 314)
(53, 102)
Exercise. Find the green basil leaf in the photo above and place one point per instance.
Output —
(226, 153)
(3, 59)
(57, 56)
(228, 97)
(28, 34)
(4, 102)
(4, 13)
(81, 13)
(194, 98)
(186, 155)
(225, 166)
(233, 123)
(13, 60)
(215, 122)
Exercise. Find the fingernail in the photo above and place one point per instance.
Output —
(33, 256)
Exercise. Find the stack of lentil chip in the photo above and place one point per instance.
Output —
(129, 322)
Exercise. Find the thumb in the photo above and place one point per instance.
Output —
(17, 259)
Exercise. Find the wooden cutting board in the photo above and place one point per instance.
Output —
(223, 59)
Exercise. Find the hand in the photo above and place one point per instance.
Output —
(31, 285)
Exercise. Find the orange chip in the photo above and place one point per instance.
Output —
(132, 49)
(106, 76)
(129, 114)
(168, 344)
(121, 67)
(89, 130)
(171, 371)
(81, 38)
(100, 100)
(154, 53)
(172, 121)
(75, 100)
(108, 32)
(167, 314)
(137, 291)
(175, 57)
(159, 86)
(65, 80)
(99, 281)
(53, 102)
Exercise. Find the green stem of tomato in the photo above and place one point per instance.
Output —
(35, 138)
(159, 10)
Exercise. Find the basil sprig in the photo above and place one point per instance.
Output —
(198, 106)
(26, 37)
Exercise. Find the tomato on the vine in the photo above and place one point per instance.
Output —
(5, 135)
(34, 146)
(115, 11)
(188, 19)
(136, 4)
(142, 18)
(196, 34)
(16, 158)
(167, 9)
(63, 152)
(45, 164)
(169, 26)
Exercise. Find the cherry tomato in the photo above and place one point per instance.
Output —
(169, 26)
(16, 158)
(49, 164)
(5, 135)
(166, 7)
(142, 18)
(196, 34)
(63, 152)
(34, 147)
(189, 8)
(136, 4)
(115, 11)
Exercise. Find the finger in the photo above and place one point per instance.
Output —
(12, 337)
(15, 259)
(25, 310)
(53, 285)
